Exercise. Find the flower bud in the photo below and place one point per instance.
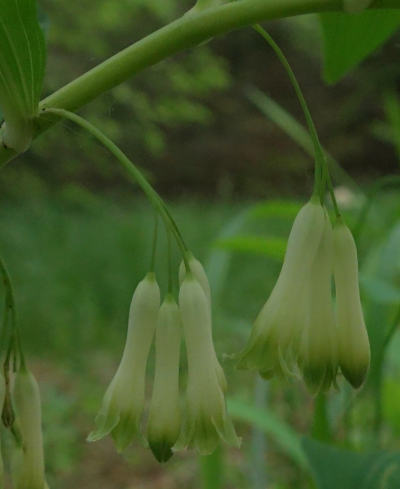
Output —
(354, 349)
(123, 401)
(28, 469)
(165, 415)
(206, 416)
(199, 273)
(272, 346)
(317, 356)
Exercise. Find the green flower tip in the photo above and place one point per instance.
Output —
(124, 432)
(319, 378)
(161, 449)
(105, 423)
(355, 375)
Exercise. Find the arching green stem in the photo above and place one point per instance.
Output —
(322, 176)
(184, 33)
(132, 170)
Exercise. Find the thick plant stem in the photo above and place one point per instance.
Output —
(186, 32)
(132, 170)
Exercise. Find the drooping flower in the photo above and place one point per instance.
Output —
(206, 416)
(354, 349)
(317, 352)
(165, 414)
(28, 466)
(123, 401)
(274, 339)
(199, 273)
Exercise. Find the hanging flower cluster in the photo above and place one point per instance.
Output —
(298, 327)
(203, 420)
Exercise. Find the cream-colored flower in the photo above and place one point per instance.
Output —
(273, 343)
(354, 349)
(165, 414)
(317, 353)
(206, 417)
(123, 402)
(28, 466)
(197, 269)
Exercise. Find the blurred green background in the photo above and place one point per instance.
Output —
(76, 234)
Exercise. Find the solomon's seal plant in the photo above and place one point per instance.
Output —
(303, 329)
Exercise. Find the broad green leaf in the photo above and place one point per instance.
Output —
(266, 421)
(22, 65)
(256, 245)
(348, 39)
(335, 468)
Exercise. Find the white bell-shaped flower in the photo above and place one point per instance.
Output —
(206, 416)
(354, 348)
(164, 421)
(28, 464)
(317, 353)
(123, 401)
(197, 269)
(272, 346)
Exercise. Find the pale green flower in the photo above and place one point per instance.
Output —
(206, 417)
(273, 343)
(317, 353)
(123, 402)
(165, 414)
(28, 466)
(197, 269)
(354, 349)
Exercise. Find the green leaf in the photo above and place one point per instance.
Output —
(22, 66)
(333, 467)
(272, 247)
(266, 421)
(348, 39)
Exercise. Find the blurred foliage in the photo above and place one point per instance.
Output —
(194, 124)
(76, 259)
(188, 121)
